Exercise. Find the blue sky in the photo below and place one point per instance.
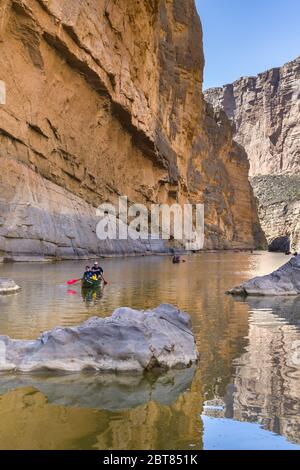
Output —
(246, 37)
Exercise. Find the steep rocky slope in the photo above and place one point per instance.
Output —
(279, 209)
(103, 98)
(265, 111)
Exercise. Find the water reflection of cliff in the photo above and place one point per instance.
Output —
(100, 411)
(267, 375)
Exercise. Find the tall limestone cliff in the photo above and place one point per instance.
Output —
(266, 111)
(101, 99)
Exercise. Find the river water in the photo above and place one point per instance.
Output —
(243, 394)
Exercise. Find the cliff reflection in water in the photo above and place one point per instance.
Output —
(100, 411)
(266, 385)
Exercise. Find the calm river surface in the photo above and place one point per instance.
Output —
(243, 394)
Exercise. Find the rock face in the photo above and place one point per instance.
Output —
(128, 341)
(104, 99)
(265, 111)
(279, 210)
(7, 286)
(284, 281)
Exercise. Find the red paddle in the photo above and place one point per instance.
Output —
(73, 281)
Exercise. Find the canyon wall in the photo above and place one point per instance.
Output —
(265, 111)
(103, 99)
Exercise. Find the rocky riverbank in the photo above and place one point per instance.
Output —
(285, 281)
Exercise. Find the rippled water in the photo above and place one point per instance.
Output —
(244, 393)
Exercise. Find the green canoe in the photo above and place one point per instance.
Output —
(91, 284)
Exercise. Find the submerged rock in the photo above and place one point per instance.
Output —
(7, 286)
(283, 281)
(128, 341)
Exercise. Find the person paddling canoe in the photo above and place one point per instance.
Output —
(98, 271)
(91, 277)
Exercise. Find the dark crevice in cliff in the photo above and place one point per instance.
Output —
(25, 27)
(11, 137)
(107, 16)
(81, 67)
(37, 129)
(140, 139)
(74, 36)
(167, 156)
(45, 7)
(54, 130)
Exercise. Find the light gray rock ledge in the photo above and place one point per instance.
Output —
(7, 286)
(283, 281)
(128, 341)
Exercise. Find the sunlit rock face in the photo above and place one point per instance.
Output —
(128, 341)
(265, 111)
(105, 99)
(279, 208)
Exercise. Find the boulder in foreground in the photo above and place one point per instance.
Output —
(283, 281)
(7, 286)
(128, 341)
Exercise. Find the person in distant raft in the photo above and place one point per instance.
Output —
(177, 259)
(97, 271)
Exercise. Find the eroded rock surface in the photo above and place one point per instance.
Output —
(265, 110)
(283, 281)
(128, 341)
(279, 209)
(105, 99)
